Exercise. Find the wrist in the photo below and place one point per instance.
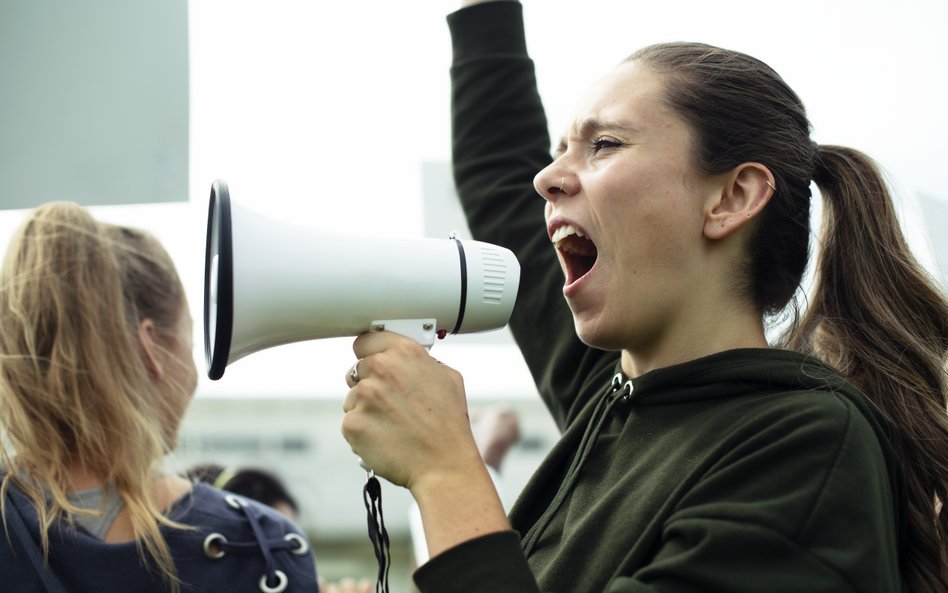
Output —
(458, 504)
(462, 470)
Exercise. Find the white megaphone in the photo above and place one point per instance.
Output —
(268, 283)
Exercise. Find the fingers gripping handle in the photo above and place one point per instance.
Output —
(421, 330)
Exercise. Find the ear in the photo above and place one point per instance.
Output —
(746, 191)
(148, 341)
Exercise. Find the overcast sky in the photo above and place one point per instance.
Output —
(322, 113)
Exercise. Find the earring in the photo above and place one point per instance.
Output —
(772, 186)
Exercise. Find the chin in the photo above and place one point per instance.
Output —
(596, 337)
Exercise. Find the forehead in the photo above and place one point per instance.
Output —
(629, 96)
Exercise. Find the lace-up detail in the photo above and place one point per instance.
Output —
(273, 580)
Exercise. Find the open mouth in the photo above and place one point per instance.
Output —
(577, 252)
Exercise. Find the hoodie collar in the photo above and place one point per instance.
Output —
(734, 373)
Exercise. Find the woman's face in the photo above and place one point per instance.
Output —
(625, 209)
(179, 381)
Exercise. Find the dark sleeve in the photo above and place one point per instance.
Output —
(493, 563)
(500, 142)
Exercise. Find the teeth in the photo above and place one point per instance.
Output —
(566, 231)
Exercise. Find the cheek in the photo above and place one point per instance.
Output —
(191, 380)
(646, 204)
(194, 382)
(186, 376)
(654, 235)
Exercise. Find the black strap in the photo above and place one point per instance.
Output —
(372, 495)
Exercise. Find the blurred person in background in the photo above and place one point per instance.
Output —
(96, 372)
(253, 483)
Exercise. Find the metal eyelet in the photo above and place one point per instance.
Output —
(303, 547)
(282, 581)
(616, 381)
(235, 501)
(214, 539)
(627, 390)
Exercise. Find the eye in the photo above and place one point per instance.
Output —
(602, 143)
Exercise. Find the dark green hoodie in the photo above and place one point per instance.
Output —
(747, 470)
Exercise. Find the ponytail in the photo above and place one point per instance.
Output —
(880, 319)
(875, 315)
(74, 389)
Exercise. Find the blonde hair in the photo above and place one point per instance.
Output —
(74, 387)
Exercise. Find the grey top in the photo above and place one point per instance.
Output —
(93, 499)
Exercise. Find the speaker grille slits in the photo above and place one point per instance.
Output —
(495, 274)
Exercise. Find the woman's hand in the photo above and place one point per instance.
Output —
(406, 414)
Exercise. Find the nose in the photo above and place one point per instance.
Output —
(553, 182)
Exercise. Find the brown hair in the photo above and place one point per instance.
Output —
(74, 389)
(875, 314)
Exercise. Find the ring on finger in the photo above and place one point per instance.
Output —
(354, 372)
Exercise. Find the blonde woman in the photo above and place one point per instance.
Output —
(96, 372)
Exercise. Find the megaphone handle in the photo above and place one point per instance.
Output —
(424, 332)
(420, 330)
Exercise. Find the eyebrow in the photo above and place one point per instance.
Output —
(592, 126)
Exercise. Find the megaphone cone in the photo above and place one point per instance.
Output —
(269, 282)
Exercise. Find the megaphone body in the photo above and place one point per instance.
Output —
(269, 283)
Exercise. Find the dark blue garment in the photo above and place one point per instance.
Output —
(253, 542)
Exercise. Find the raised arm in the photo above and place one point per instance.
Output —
(500, 141)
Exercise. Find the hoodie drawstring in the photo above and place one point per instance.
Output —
(619, 389)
